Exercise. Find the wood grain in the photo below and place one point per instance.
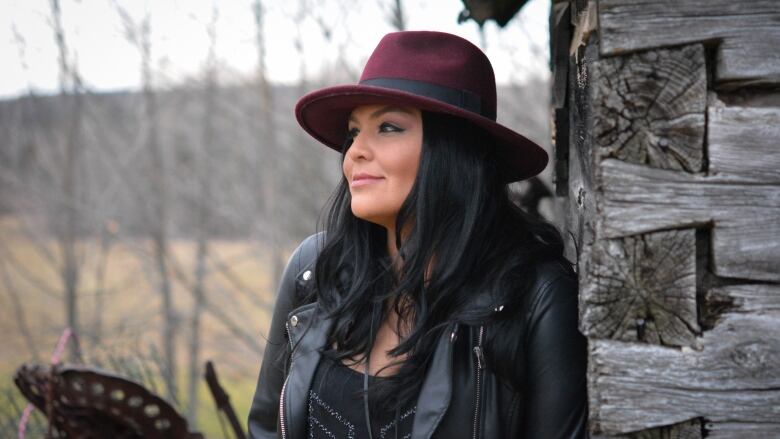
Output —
(649, 107)
(581, 212)
(742, 141)
(732, 375)
(743, 215)
(753, 298)
(746, 33)
(641, 288)
(741, 430)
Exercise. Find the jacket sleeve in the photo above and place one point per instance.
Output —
(265, 403)
(557, 404)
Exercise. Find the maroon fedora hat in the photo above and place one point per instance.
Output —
(432, 71)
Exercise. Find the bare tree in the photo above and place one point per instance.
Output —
(203, 227)
(396, 16)
(66, 235)
(268, 168)
(157, 216)
(107, 238)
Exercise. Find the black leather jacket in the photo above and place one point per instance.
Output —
(462, 396)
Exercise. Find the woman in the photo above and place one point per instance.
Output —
(432, 306)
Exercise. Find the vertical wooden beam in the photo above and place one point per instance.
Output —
(580, 218)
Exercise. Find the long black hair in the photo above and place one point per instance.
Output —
(460, 227)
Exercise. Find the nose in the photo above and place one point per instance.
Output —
(360, 148)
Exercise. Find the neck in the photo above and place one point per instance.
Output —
(392, 250)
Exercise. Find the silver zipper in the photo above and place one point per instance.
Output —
(480, 365)
(284, 386)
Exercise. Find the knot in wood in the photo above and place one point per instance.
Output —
(752, 357)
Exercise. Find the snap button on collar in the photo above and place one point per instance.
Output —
(294, 320)
(306, 275)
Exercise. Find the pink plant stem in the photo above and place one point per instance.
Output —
(55, 359)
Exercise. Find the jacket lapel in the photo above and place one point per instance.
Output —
(436, 390)
(308, 334)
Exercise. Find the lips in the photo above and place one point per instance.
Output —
(363, 179)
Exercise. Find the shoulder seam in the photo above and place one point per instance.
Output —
(542, 292)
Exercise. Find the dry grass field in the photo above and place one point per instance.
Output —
(31, 296)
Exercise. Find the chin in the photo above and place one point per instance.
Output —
(370, 215)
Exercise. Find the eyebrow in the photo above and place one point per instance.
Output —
(383, 110)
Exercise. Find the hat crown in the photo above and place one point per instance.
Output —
(435, 72)
(436, 58)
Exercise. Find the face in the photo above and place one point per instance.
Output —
(381, 164)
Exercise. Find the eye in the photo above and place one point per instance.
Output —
(387, 127)
(352, 133)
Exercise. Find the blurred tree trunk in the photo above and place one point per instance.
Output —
(159, 214)
(67, 211)
(203, 174)
(397, 19)
(268, 167)
(106, 241)
(156, 214)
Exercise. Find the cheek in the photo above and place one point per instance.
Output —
(381, 203)
(407, 170)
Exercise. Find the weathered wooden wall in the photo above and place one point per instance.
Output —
(667, 141)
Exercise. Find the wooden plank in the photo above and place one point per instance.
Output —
(641, 288)
(747, 32)
(683, 430)
(741, 430)
(745, 235)
(560, 144)
(580, 216)
(743, 141)
(755, 298)
(732, 375)
(560, 34)
(649, 107)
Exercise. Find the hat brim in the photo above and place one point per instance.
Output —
(323, 114)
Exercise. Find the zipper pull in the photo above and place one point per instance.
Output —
(480, 357)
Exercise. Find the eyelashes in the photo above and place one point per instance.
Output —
(384, 127)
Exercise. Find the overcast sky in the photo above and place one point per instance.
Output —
(106, 61)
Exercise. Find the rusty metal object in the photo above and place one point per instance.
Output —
(501, 11)
(222, 400)
(86, 403)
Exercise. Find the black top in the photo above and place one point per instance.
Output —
(336, 407)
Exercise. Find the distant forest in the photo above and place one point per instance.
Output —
(218, 153)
